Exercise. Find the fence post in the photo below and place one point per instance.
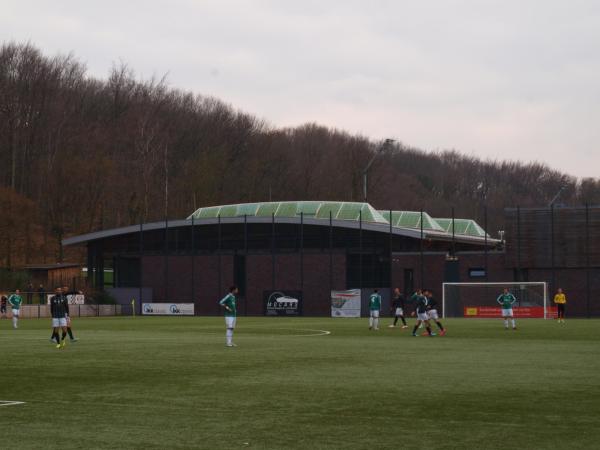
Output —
(552, 263)
(273, 251)
(330, 251)
(219, 275)
(391, 256)
(518, 244)
(587, 258)
(485, 236)
(360, 252)
(302, 251)
(422, 268)
(141, 250)
(193, 262)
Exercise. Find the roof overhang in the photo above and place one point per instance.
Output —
(369, 226)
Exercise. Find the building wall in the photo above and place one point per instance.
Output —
(209, 288)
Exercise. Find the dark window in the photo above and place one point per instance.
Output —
(477, 272)
(409, 281)
(239, 273)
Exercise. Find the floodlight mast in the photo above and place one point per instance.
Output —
(380, 150)
(562, 188)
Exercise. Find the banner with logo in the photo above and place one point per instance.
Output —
(72, 299)
(283, 303)
(168, 309)
(345, 303)
(521, 312)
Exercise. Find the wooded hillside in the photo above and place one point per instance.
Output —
(79, 154)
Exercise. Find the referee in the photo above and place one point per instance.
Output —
(560, 300)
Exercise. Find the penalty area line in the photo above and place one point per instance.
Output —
(10, 403)
(315, 332)
(311, 331)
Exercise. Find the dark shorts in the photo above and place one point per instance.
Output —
(560, 307)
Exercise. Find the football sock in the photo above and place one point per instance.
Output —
(439, 324)
(396, 320)
(370, 322)
(428, 330)
(513, 323)
(229, 335)
(14, 322)
(505, 323)
(415, 329)
(64, 335)
(403, 321)
(376, 322)
(70, 333)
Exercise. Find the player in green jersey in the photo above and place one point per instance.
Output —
(374, 308)
(506, 300)
(15, 301)
(228, 302)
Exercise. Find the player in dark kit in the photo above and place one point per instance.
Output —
(59, 317)
(66, 293)
(432, 311)
(398, 308)
(3, 301)
(422, 317)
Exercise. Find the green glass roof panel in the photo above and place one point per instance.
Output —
(247, 209)
(309, 208)
(287, 209)
(207, 213)
(350, 211)
(412, 219)
(327, 208)
(228, 211)
(266, 209)
(466, 227)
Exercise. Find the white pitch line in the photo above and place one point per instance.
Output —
(318, 332)
(10, 403)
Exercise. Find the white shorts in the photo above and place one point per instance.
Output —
(432, 313)
(374, 313)
(399, 312)
(422, 316)
(230, 322)
(507, 312)
(62, 322)
(16, 312)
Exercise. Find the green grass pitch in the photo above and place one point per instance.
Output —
(161, 383)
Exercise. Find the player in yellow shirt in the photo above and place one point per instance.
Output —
(560, 300)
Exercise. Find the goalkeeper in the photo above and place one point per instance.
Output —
(506, 300)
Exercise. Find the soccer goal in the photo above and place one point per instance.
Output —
(480, 299)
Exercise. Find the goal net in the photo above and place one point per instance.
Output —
(480, 299)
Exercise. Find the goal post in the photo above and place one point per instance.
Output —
(479, 299)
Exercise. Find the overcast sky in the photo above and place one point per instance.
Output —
(504, 79)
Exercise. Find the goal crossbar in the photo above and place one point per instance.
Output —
(503, 284)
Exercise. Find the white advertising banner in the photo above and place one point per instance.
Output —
(345, 303)
(72, 299)
(168, 309)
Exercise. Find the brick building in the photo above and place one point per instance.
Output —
(315, 247)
